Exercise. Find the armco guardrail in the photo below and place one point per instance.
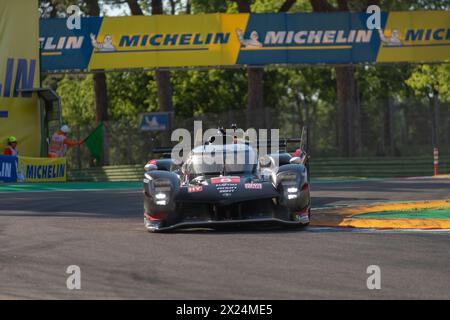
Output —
(108, 173)
(320, 167)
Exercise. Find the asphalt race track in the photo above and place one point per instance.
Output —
(42, 233)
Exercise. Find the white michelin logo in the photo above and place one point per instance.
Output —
(392, 41)
(105, 46)
(252, 43)
(152, 123)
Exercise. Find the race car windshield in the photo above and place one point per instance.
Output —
(229, 160)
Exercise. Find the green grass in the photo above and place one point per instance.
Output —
(68, 186)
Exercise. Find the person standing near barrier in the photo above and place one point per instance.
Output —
(10, 149)
(60, 142)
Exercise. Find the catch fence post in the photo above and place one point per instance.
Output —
(436, 161)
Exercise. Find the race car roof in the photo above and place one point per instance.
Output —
(210, 148)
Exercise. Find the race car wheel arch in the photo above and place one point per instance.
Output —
(293, 187)
(160, 188)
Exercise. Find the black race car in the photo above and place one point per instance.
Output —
(258, 190)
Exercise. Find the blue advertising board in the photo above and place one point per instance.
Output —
(155, 121)
(8, 168)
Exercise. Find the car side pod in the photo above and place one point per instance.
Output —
(160, 188)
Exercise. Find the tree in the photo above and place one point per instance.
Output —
(164, 87)
(57, 8)
(396, 100)
(432, 82)
(349, 136)
(210, 6)
(77, 99)
(162, 76)
(255, 105)
(100, 88)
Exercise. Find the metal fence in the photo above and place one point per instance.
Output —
(407, 131)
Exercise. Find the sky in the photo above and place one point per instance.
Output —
(111, 11)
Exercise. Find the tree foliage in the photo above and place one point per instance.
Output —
(428, 80)
(392, 96)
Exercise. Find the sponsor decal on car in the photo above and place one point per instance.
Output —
(226, 189)
(226, 185)
(225, 180)
(193, 189)
(302, 217)
(253, 186)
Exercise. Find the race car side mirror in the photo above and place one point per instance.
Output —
(265, 162)
(296, 160)
(150, 167)
(210, 140)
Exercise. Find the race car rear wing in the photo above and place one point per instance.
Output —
(283, 144)
(162, 150)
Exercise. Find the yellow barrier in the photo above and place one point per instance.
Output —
(42, 169)
(19, 69)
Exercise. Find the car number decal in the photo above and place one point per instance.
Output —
(225, 180)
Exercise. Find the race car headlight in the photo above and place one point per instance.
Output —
(161, 191)
(160, 196)
(162, 186)
(288, 181)
(287, 177)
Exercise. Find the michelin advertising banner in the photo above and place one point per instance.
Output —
(243, 39)
(42, 169)
(19, 69)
